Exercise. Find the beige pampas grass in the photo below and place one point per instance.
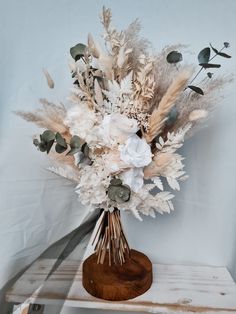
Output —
(93, 47)
(156, 167)
(50, 116)
(49, 79)
(157, 118)
(197, 115)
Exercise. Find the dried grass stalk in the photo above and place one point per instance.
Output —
(49, 79)
(110, 239)
(50, 116)
(157, 118)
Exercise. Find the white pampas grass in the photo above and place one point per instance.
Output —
(197, 115)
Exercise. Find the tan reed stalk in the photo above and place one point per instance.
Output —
(110, 239)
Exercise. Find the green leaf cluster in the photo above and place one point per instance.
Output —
(204, 58)
(118, 192)
(78, 51)
(174, 57)
(48, 138)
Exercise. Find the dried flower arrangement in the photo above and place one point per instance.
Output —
(129, 112)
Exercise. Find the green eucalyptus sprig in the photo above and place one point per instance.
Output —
(48, 138)
(204, 58)
(118, 192)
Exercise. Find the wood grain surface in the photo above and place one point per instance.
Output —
(175, 289)
(117, 282)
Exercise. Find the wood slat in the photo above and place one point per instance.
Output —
(176, 289)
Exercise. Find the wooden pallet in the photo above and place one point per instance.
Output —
(176, 289)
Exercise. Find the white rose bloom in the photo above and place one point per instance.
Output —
(81, 120)
(116, 128)
(136, 152)
(133, 178)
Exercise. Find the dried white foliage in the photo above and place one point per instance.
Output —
(118, 94)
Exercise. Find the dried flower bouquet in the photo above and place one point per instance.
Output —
(128, 113)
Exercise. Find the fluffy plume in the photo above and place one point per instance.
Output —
(189, 102)
(197, 114)
(93, 47)
(50, 116)
(49, 79)
(157, 118)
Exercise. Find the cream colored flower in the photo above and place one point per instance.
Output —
(133, 178)
(81, 121)
(116, 128)
(136, 152)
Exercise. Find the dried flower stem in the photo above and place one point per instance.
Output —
(111, 240)
(203, 67)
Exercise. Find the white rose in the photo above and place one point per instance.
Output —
(136, 152)
(133, 178)
(116, 128)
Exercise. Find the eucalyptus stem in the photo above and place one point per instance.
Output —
(203, 67)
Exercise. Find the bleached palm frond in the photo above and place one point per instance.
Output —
(126, 84)
(157, 182)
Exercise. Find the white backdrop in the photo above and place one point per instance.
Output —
(38, 207)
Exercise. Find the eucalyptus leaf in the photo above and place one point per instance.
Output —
(204, 55)
(210, 65)
(225, 55)
(214, 49)
(60, 149)
(226, 44)
(219, 53)
(79, 158)
(75, 142)
(115, 181)
(119, 193)
(77, 51)
(196, 89)
(60, 140)
(73, 151)
(85, 149)
(49, 146)
(174, 57)
(42, 147)
(47, 136)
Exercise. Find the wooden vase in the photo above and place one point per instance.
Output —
(115, 272)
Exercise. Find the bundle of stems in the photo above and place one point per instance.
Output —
(110, 239)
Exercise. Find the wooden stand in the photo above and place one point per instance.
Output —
(117, 282)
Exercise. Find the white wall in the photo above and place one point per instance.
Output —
(37, 207)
